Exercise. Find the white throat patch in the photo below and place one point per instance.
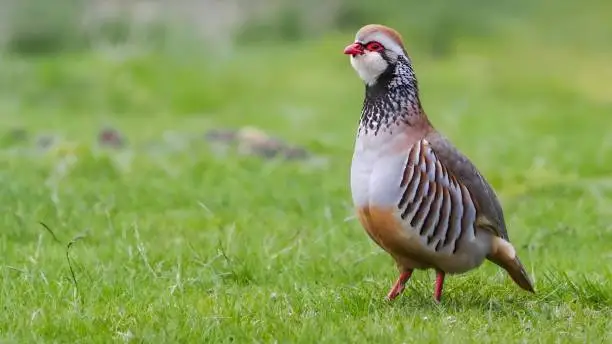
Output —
(369, 66)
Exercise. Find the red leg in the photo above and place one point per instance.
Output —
(439, 285)
(399, 285)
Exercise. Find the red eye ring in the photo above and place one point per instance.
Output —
(374, 46)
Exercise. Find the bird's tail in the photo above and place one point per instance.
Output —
(504, 255)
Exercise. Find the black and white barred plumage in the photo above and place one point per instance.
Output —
(434, 203)
(394, 95)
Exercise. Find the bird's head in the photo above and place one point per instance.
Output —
(376, 49)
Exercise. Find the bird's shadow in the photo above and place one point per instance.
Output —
(455, 301)
(557, 289)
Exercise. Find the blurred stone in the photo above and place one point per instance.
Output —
(46, 141)
(254, 141)
(109, 137)
(296, 153)
(266, 150)
(220, 135)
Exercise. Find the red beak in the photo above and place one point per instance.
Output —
(354, 49)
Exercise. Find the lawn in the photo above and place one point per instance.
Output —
(169, 239)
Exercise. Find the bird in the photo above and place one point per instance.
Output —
(416, 195)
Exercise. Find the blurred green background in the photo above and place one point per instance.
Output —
(182, 240)
(109, 58)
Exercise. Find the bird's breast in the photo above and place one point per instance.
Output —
(377, 170)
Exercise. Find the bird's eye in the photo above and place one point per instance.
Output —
(374, 46)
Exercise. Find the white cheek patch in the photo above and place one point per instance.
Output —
(369, 66)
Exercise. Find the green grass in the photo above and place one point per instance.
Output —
(179, 244)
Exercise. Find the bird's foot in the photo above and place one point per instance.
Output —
(439, 286)
(395, 292)
(399, 285)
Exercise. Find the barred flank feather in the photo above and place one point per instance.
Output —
(434, 202)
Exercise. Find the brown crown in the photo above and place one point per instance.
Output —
(372, 28)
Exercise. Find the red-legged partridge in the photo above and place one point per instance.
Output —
(417, 196)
